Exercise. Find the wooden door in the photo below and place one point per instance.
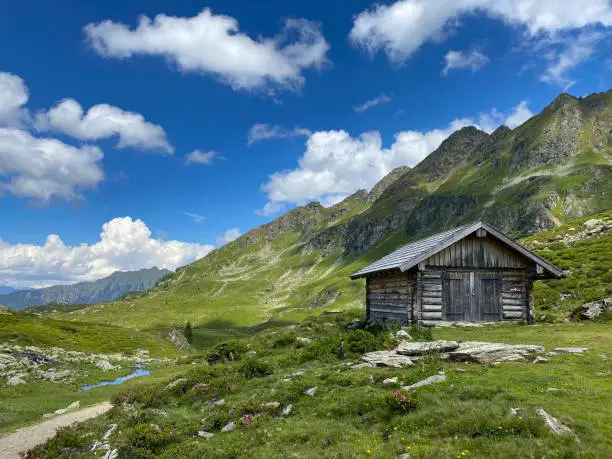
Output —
(486, 297)
(456, 296)
(471, 296)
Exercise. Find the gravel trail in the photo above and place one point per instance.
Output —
(28, 437)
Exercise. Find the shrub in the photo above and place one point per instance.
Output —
(253, 368)
(226, 352)
(421, 333)
(361, 341)
(284, 340)
(400, 402)
(144, 440)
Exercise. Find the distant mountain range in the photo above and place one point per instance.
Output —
(106, 289)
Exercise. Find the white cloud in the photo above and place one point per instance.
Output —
(271, 208)
(196, 217)
(125, 244)
(228, 236)
(382, 99)
(577, 50)
(474, 60)
(13, 97)
(335, 164)
(199, 157)
(213, 44)
(265, 131)
(41, 168)
(401, 28)
(103, 121)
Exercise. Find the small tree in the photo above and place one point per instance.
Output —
(188, 332)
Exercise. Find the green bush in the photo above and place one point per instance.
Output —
(145, 440)
(400, 402)
(227, 351)
(188, 332)
(284, 340)
(421, 333)
(254, 368)
(361, 341)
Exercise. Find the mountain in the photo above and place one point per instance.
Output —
(554, 168)
(4, 289)
(106, 289)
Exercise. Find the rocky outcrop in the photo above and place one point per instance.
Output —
(387, 359)
(426, 382)
(386, 182)
(555, 426)
(421, 348)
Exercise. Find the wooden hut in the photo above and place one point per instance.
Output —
(472, 273)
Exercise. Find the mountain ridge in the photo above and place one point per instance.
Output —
(555, 167)
(106, 289)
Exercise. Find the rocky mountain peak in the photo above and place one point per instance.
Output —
(385, 182)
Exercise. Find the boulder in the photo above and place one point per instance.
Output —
(424, 347)
(403, 334)
(311, 391)
(483, 352)
(174, 383)
(7, 359)
(390, 380)
(287, 410)
(303, 340)
(54, 376)
(14, 381)
(555, 426)
(387, 359)
(229, 427)
(594, 309)
(104, 365)
(426, 382)
(204, 434)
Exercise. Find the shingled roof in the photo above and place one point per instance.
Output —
(412, 254)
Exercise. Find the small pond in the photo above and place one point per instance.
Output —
(121, 380)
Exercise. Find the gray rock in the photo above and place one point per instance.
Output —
(483, 352)
(571, 350)
(174, 383)
(229, 427)
(311, 391)
(591, 310)
(52, 375)
(514, 411)
(204, 434)
(403, 334)
(555, 426)
(539, 359)
(404, 456)
(303, 340)
(552, 389)
(420, 348)
(112, 454)
(426, 382)
(390, 380)
(387, 359)
(287, 410)
(14, 381)
(105, 365)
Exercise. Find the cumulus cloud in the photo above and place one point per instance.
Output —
(403, 27)
(228, 236)
(196, 217)
(125, 244)
(473, 60)
(42, 168)
(13, 97)
(575, 51)
(103, 121)
(213, 44)
(265, 131)
(271, 208)
(335, 164)
(382, 99)
(199, 157)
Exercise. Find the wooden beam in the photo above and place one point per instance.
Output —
(539, 268)
(481, 232)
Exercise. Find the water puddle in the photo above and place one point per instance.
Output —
(121, 380)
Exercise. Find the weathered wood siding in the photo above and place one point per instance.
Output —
(389, 297)
(431, 295)
(477, 252)
(515, 294)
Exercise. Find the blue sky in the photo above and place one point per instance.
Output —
(219, 115)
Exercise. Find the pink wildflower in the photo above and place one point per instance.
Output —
(396, 393)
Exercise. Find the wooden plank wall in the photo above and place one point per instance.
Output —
(515, 290)
(431, 295)
(389, 297)
(477, 252)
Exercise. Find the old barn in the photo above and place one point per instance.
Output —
(472, 273)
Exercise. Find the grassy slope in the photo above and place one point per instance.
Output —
(32, 330)
(233, 292)
(349, 416)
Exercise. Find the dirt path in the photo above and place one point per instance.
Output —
(28, 437)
